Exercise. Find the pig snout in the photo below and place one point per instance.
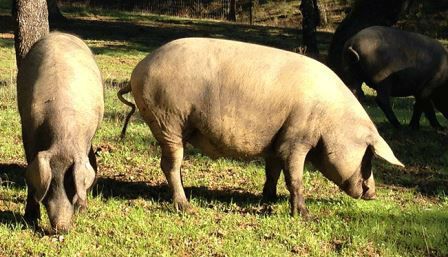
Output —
(60, 215)
(368, 188)
(357, 187)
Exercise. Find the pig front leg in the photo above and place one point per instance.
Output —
(273, 168)
(294, 181)
(172, 155)
(32, 209)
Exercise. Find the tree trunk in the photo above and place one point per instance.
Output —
(311, 19)
(31, 23)
(365, 13)
(251, 6)
(232, 11)
(54, 13)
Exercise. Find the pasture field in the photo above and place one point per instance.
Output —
(129, 211)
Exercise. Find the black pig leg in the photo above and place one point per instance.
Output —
(383, 101)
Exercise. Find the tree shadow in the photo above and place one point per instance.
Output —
(423, 151)
(12, 219)
(7, 24)
(156, 31)
(113, 188)
(13, 175)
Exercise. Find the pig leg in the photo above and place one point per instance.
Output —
(383, 101)
(32, 209)
(273, 168)
(170, 163)
(294, 181)
(431, 115)
(426, 107)
(416, 114)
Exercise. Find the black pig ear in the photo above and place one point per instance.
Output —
(84, 176)
(38, 175)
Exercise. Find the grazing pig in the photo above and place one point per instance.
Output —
(239, 100)
(396, 63)
(60, 99)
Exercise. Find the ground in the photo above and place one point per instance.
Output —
(130, 213)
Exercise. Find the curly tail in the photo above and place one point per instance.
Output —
(125, 90)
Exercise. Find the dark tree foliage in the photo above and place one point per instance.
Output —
(31, 23)
(311, 19)
(364, 13)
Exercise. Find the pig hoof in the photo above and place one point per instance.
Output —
(269, 198)
(302, 211)
(184, 207)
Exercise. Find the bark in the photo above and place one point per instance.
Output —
(365, 13)
(54, 13)
(310, 21)
(31, 23)
(251, 5)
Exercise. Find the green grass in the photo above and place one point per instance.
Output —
(130, 213)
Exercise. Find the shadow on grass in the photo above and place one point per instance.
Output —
(12, 218)
(7, 24)
(13, 175)
(112, 188)
(422, 151)
(145, 33)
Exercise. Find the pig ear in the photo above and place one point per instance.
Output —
(84, 176)
(38, 175)
(382, 149)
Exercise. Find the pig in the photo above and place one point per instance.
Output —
(396, 63)
(243, 101)
(61, 104)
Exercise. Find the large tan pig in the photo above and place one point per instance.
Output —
(239, 100)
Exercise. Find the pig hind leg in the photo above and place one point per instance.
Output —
(273, 168)
(425, 106)
(172, 155)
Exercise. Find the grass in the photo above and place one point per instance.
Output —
(130, 213)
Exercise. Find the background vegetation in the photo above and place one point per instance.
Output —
(130, 213)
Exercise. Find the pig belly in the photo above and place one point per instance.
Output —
(229, 145)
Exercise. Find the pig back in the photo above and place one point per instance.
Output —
(59, 83)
